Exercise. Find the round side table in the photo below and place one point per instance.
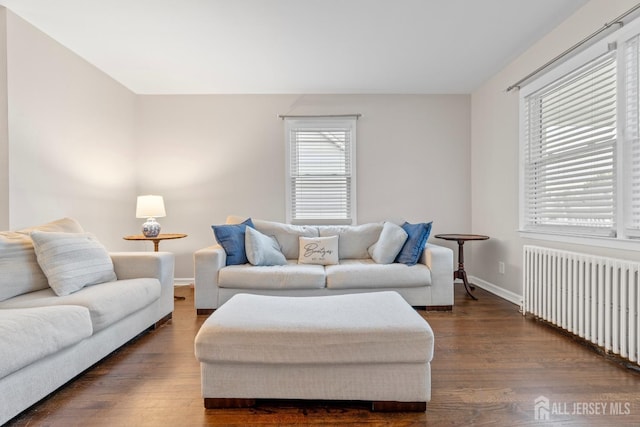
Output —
(156, 240)
(460, 273)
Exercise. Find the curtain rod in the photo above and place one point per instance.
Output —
(335, 116)
(615, 21)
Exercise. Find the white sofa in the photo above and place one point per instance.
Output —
(428, 284)
(47, 340)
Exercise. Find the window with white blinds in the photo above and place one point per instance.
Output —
(321, 171)
(570, 152)
(580, 145)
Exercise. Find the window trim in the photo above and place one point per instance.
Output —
(624, 240)
(314, 122)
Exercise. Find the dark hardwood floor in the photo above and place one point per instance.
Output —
(489, 367)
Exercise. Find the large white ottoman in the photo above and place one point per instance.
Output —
(370, 347)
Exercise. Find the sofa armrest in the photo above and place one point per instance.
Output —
(133, 265)
(439, 259)
(207, 263)
(158, 265)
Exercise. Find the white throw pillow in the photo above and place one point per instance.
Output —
(72, 261)
(388, 246)
(354, 240)
(318, 250)
(286, 235)
(261, 249)
(19, 269)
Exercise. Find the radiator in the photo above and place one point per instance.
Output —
(595, 298)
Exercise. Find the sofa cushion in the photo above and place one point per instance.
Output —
(391, 240)
(66, 225)
(20, 270)
(414, 246)
(290, 276)
(72, 261)
(354, 240)
(365, 273)
(286, 235)
(262, 249)
(318, 250)
(30, 334)
(107, 302)
(232, 238)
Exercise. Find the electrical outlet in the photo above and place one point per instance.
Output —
(501, 267)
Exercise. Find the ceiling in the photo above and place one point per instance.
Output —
(297, 46)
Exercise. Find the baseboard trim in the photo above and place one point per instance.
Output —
(497, 290)
(183, 281)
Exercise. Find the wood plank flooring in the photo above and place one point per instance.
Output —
(489, 367)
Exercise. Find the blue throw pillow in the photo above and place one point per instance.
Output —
(231, 238)
(416, 240)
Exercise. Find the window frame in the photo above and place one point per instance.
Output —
(317, 123)
(624, 239)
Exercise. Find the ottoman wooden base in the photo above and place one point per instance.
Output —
(369, 347)
(222, 403)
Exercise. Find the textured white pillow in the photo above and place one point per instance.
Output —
(72, 261)
(261, 249)
(286, 235)
(391, 240)
(19, 269)
(318, 250)
(354, 240)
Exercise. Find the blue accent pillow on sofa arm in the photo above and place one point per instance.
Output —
(418, 234)
(231, 238)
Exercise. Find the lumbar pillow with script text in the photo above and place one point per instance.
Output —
(318, 250)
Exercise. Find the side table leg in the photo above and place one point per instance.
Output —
(461, 274)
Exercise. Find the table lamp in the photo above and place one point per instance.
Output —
(150, 207)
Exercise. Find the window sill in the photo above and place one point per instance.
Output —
(603, 242)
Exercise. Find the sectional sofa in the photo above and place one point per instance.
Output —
(366, 261)
(66, 303)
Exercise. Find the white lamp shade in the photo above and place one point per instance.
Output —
(150, 207)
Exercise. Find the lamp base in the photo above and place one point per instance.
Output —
(151, 228)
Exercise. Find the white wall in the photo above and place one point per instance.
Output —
(4, 138)
(494, 153)
(215, 155)
(71, 142)
(81, 145)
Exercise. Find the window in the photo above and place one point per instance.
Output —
(321, 170)
(580, 143)
(569, 151)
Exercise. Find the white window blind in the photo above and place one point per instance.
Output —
(570, 152)
(321, 171)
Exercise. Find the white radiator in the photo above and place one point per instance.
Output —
(595, 298)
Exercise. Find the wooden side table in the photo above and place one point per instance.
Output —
(156, 240)
(460, 273)
(156, 243)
